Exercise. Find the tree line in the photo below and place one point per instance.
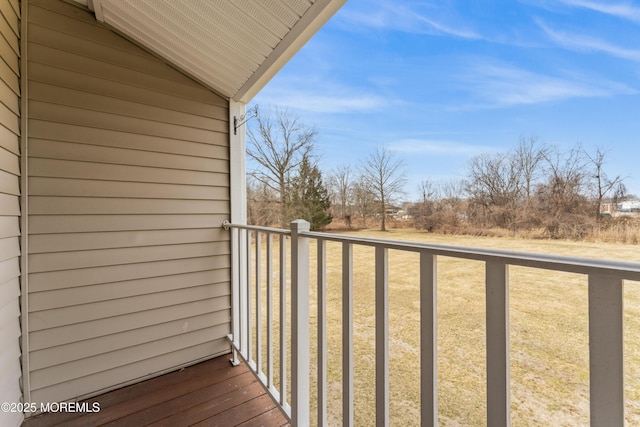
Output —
(531, 186)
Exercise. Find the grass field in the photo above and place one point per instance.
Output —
(548, 324)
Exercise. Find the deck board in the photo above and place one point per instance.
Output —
(211, 393)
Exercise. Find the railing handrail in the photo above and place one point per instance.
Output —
(605, 312)
(620, 269)
(227, 225)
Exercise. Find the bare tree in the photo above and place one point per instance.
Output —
(278, 145)
(529, 155)
(495, 185)
(603, 185)
(341, 183)
(363, 199)
(428, 190)
(561, 198)
(384, 174)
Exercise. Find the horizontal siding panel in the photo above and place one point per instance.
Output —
(43, 205)
(119, 122)
(44, 54)
(9, 313)
(70, 21)
(9, 140)
(11, 37)
(105, 257)
(129, 271)
(9, 205)
(79, 332)
(9, 337)
(56, 317)
(9, 56)
(9, 77)
(217, 147)
(40, 148)
(96, 346)
(107, 104)
(9, 162)
(134, 372)
(110, 240)
(47, 300)
(9, 248)
(96, 223)
(11, 17)
(96, 275)
(9, 226)
(62, 33)
(40, 186)
(9, 269)
(59, 33)
(9, 292)
(9, 183)
(104, 362)
(9, 97)
(9, 119)
(10, 371)
(75, 79)
(102, 171)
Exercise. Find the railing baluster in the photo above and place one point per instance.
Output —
(382, 336)
(283, 320)
(347, 334)
(236, 263)
(269, 311)
(428, 340)
(322, 333)
(258, 304)
(606, 285)
(497, 296)
(606, 351)
(299, 324)
(249, 341)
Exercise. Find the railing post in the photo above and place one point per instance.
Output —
(382, 336)
(347, 334)
(321, 266)
(606, 351)
(299, 324)
(498, 393)
(428, 340)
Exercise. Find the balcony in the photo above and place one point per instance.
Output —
(290, 356)
(209, 393)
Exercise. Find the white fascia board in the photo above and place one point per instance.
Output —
(317, 15)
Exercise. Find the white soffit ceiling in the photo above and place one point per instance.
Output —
(233, 46)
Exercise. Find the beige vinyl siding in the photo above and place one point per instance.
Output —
(128, 184)
(10, 369)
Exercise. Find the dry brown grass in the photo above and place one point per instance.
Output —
(549, 341)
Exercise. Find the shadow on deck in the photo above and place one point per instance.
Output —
(211, 393)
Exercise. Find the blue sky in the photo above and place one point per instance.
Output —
(440, 81)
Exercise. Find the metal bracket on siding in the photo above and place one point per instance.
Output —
(237, 122)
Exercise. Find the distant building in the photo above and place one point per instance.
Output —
(625, 208)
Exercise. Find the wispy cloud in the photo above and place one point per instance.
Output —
(395, 16)
(435, 147)
(498, 85)
(588, 44)
(325, 100)
(620, 10)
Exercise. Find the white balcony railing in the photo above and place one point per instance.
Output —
(605, 300)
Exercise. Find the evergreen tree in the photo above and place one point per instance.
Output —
(310, 198)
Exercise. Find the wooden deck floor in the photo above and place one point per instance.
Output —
(211, 393)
